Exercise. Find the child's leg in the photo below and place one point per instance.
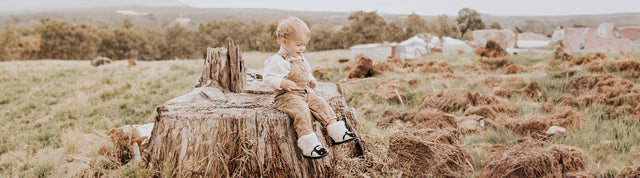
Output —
(294, 106)
(321, 109)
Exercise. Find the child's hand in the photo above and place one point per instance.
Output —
(288, 85)
(312, 84)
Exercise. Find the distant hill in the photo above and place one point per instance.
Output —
(163, 17)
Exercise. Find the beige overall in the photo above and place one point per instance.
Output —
(301, 103)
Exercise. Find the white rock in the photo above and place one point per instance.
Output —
(556, 131)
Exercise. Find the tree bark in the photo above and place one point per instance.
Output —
(224, 68)
(215, 133)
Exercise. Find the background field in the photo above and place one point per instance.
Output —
(54, 113)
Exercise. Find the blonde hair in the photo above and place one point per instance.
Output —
(292, 25)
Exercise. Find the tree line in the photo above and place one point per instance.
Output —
(59, 39)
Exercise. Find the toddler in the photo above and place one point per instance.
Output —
(289, 74)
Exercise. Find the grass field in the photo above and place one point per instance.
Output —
(53, 113)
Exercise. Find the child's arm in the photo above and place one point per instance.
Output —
(275, 69)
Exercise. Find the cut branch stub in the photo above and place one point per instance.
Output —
(224, 68)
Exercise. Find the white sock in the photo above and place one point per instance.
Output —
(337, 131)
(307, 143)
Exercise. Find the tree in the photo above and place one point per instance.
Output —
(218, 33)
(254, 31)
(469, 20)
(393, 32)
(363, 27)
(415, 25)
(137, 42)
(64, 40)
(181, 43)
(267, 40)
(8, 44)
(322, 39)
(495, 25)
(443, 26)
(126, 23)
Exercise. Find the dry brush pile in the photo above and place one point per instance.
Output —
(432, 130)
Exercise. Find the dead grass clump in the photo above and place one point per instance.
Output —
(453, 100)
(565, 74)
(477, 70)
(424, 118)
(382, 67)
(444, 136)
(524, 142)
(362, 68)
(120, 150)
(532, 126)
(502, 81)
(633, 171)
(601, 88)
(522, 161)
(419, 158)
(495, 103)
(586, 59)
(501, 92)
(551, 65)
(528, 158)
(322, 72)
(563, 117)
(558, 52)
(389, 90)
(533, 92)
(413, 83)
(631, 68)
(395, 64)
(98, 61)
(473, 124)
(484, 111)
(567, 117)
(596, 66)
(435, 67)
(447, 100)
(570, 158)
(493, 63)
(513, 69)
(491, 50)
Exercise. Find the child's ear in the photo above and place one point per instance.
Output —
(282, 41)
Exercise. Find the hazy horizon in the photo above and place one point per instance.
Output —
(491, 7)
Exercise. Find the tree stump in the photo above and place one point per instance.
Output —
(213, 131)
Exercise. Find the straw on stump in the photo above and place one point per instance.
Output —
(229, 127)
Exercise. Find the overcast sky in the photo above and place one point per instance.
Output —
(422, 7)
(436, 7)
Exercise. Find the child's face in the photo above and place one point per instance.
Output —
(295, 44)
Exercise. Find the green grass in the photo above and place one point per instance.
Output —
(606, 140)
(52, 111)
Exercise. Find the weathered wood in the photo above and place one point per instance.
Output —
(237, 68)
(214, 133)
(211, 132)
(224, 68)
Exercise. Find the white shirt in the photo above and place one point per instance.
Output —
(276, 68)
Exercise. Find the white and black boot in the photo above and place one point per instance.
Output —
(311, 147)
(339, 133)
